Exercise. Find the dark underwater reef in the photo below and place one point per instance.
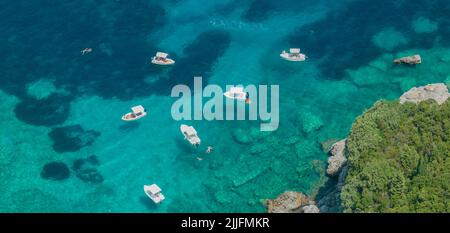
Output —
(55, 171)
(343, 39)
(85, 169)
(336, 40)
(43, 44)
(72, 138)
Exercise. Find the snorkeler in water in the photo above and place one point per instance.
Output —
(86, 50)
(209, 149)
(247, 98)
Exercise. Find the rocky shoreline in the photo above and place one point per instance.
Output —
(438, 92)
(328, 199)
(291, 202)
(337, 168)
(296, 202)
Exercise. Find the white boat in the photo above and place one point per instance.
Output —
(162, 59)
(293, 55)
(137, 113)
(154, 193)
(190, 134)
(236, 93)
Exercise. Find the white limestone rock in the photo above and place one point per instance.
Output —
(337, 159)
(310, 209)
(437, 92)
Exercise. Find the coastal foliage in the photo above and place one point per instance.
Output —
(399, 159)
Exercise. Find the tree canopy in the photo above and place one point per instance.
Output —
(399, 159)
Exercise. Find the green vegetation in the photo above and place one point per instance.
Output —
(399, 159)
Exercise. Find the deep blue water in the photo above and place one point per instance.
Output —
(62, 141)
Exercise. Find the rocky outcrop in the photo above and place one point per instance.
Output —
(331, 201)
(310, 121)
(337, 159)
(328, 144)
(410, 60)
(291, 202)
(310, 209)
(328, 201)
(437, 92)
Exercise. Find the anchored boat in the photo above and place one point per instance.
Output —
(293, 55)
(162, 59)
(137, 113)
(190, 134)
(236, 93)
(154, 193)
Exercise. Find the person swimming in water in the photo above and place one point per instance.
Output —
(209, 149)
(247, 98)
(86, 50)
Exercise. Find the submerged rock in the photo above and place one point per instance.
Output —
(258, 149)
(85, 170)
(424, 25)
(337, 159)
(248, 136)
(222, 197)
(248, 176)
(310, 122)
(437, 92)
(288, 202)
(328, 144)
(410, 60)
(389, 39)
(291, 140)
(41, 89)
(55, 171)
(72, 138)
(241, 138)
(52, 110)
(81, 163)
(90, 175)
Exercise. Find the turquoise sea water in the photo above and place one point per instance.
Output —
(61, 111)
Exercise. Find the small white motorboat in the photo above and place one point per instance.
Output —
(162, 59)
(293, 55)
(137, 113)
(190, 134)
(154, 193)
(236, 93)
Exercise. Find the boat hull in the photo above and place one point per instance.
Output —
(231, 96)
(195, 141)
(158, 198)
(166, 63)
(286, 57)
(128, 117)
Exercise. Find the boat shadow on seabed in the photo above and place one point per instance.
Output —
(149, 204)
(129, 126)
